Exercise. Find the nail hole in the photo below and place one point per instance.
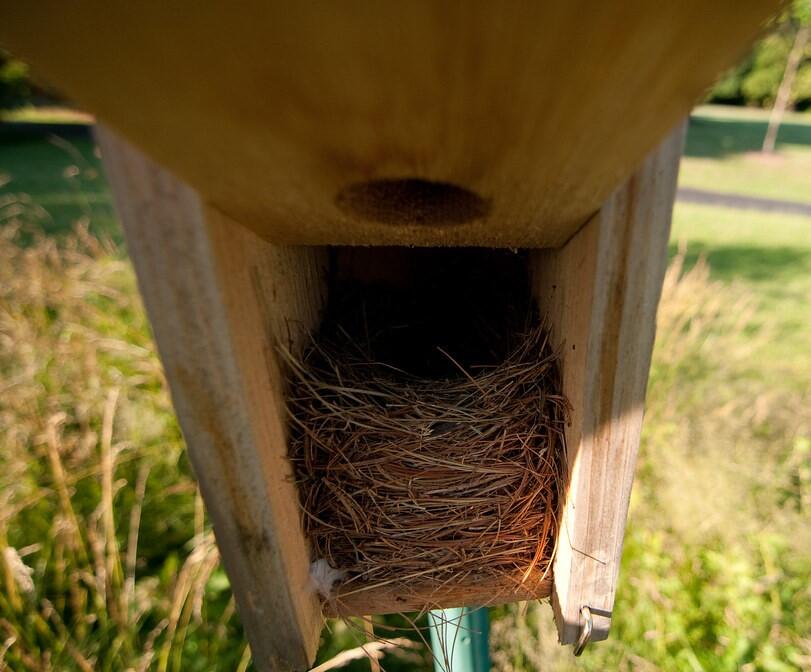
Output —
(412, 201)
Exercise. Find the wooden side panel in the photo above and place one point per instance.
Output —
(272, 110)
(601, 291)
(218, 298)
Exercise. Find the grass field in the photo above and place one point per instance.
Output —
(54, 181)
(717, 557)
(107, 562)
(722, 154)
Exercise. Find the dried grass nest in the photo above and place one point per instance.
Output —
(444, 481)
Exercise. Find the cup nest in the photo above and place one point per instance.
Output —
(444, 481)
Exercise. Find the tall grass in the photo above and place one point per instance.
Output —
(106, 562)
(718, 551)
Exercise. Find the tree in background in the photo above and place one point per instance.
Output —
(801, 11)
(19, 89)
(15, 87)
(756, 80)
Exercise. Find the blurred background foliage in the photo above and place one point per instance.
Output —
(15, 86)
(18, 89)
(755, 80)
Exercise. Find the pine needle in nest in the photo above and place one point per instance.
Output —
(449, 481)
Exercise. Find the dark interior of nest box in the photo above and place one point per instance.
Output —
(436, 314)
(429, 311)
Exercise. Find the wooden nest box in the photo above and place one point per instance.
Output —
(256, 152)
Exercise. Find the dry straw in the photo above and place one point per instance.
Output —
(447, 480)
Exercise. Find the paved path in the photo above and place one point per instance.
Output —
(691, 195)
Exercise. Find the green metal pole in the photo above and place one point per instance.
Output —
(459, 639)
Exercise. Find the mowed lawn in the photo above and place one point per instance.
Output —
(769, 255)
(110, 563)
(722, 153)
(53, 179)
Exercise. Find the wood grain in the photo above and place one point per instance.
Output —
(601, 291)
(275, 112)
(420, 597)
(219, 298)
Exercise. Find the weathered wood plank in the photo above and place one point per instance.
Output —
(218, 298)
(423, 596)
(601, 291)
(271, 109)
